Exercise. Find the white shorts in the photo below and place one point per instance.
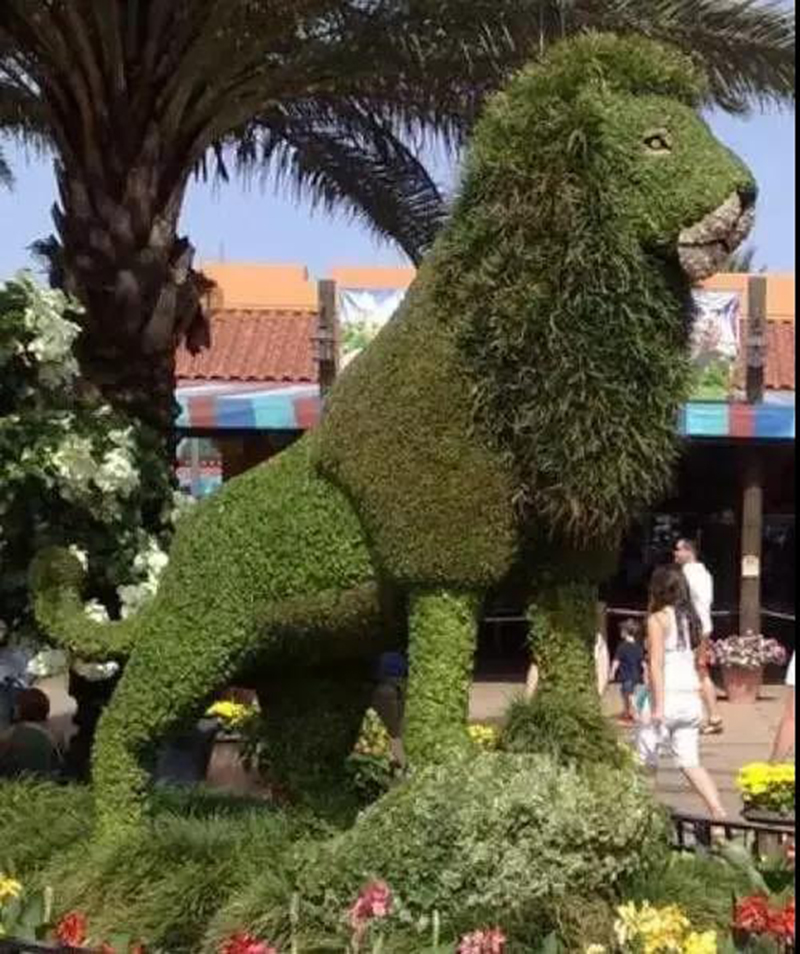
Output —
(679, 735)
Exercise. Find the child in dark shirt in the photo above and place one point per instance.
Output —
(628, 666)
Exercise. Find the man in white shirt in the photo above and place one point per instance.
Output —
(701, 591)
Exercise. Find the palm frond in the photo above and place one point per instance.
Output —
(343, 157)
(6, 178)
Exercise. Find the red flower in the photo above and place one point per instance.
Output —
(491, 941)
(71, 929)
(755, 916)
(375, 901)
(245, 944)
(788, 925)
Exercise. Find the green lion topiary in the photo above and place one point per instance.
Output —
(507, 422)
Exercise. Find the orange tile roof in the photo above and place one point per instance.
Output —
(364, 278)
(246, 286)
(779, 370)
(779, 366)
(259, 346)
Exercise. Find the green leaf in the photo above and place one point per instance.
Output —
(550, 945)
(739, 858)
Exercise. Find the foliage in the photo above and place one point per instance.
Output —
(269, 566)
(742, 261)
(6, 178)
(37, 821)
(768, 786)
(496, 837)
(23, 914)
(747, 652)
(443, 629)
(563, 725)
(563, 718)
(534, 387)
(72, 471)
(311, 727)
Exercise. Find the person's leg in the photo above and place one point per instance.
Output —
(784, 736)
(628, 690)
(708, 690)
(685, 741)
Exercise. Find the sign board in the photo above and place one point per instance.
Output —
(362, 313)
(751, 567)
(716, 345)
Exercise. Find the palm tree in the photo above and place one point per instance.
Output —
(742, 260)
(6, 179)
(134, 95)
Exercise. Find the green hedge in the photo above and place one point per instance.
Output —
(443, 633)
(497, 838)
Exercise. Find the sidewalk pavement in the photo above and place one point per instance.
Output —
(748, 734)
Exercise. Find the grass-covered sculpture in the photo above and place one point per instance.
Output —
(506, 423)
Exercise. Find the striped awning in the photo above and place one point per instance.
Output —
(768, 421)
(219, 406)
(225, 406)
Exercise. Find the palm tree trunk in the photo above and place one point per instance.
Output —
(120, 255)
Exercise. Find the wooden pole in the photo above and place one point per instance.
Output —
(327, 338)
(753, 489)
(756, 337)
(752, 534)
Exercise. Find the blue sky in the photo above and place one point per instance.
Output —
(257, 224)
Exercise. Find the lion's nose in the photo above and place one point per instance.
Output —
(748, 195)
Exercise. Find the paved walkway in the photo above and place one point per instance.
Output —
(749, 730)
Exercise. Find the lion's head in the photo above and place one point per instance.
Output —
(594, 196)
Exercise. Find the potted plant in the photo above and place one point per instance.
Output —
(767, 790)
(742, 660)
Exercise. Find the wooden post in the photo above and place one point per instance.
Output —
(327, 337)
(756, 337)
(753, 491)
(752, 532)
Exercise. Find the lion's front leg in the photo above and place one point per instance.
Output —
(443, 627)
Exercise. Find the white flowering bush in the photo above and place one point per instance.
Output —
(73, 472)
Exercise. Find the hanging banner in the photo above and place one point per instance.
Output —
(716, 345)
(362, 313)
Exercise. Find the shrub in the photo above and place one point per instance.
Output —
(498, 837)
(39, 819)
(569, 728)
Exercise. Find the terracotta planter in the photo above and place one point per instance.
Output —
(742, 685)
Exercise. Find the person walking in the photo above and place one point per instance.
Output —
(628, 667)
(783, 742)
(676, 709)
(701, 591)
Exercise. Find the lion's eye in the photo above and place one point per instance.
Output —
(658, 141)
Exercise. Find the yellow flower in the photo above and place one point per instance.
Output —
(10, 888)
(705, 943)
(233, 713)
(596, 949)
(484, 736)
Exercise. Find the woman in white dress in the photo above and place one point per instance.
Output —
(673, 634)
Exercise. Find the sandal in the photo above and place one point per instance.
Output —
(713, 727)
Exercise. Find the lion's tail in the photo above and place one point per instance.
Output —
(56, 579)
